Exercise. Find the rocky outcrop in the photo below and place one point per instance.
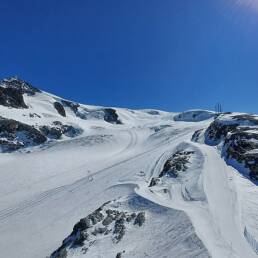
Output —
(242, 146)
(107, 114)
(58, 129)
(72, 105)
(238, 135)
(14, 135)
(176, 163)
(12, 97)
(111, 116)
(119, 255)
(106, 221)
(154, 181)
(218, 131)
(12, 91)
(140, 219)
(19, 84)
(60, 109)
(51, 132)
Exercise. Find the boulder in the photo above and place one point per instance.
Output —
(140, 219)
(51, 132)
(111, 116)
(108, 220)
(60, 109)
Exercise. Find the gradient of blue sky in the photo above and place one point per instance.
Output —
(170, 54)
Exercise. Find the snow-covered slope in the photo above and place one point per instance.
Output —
(85, 181)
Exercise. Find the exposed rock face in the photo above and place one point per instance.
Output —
(119, 255)
(60, 109)
(108, 114)
(175, 164)
(239, 137)
(74, 106)
(154, 181)
(12, 90)
(19, 84)
(111, 116)
(217, 131)
(12, 97)
(51, 132)
(140, 219)
(242, 146)
(70, 131)
(105, 221)
(14, 135)
(196, 135)
(59, 129)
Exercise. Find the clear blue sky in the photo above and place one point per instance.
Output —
(170, 54)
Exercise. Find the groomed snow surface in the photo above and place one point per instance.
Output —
(207, 211)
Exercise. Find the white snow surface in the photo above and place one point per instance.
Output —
(45, 190)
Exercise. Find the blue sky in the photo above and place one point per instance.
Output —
(170, 55)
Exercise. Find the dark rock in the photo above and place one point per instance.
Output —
(83, 224)
(217, 130)
(111, 116)
(84, 238)
(73, 106)
(119, 230)
(34, 115)
(196, 135)
(51, 132)
(154, 181)
(140, 219)
(71, 131)
(252, 119)
(113, 213)
(19, 84)
(60, 109)
(130, 217)
(12, 97)
(20, 134)
(56, 132)
(9, 145)
(96, 216)
(119, 255)
(239, 140)
(61, 254)
(153, 112)
(57, 123)
(79, 240)
(108, 220)
(175, 164)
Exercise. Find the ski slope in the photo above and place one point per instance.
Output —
(46, 189)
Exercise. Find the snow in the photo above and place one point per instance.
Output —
(46, 189)
(194, 115)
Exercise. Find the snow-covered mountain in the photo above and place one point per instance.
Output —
(97, 182)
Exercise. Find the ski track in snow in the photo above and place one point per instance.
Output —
(41, 209)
